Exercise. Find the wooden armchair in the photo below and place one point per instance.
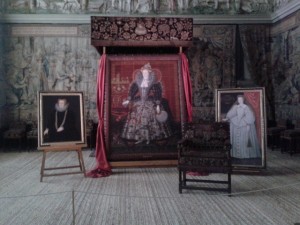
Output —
(290, 139)
(205, 149)
(32, 135)
(274, 133)
(15, 133)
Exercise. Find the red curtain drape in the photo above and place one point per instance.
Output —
(188, 98)
(253, 99)
(187, 86)
(103, 168)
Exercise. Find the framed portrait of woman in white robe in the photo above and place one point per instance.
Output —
(244, 110)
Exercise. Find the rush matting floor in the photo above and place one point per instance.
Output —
(138, 196)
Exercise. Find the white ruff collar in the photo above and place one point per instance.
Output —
(61, 109)
(145, 83)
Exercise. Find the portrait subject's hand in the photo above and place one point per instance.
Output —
(248, 128)
(158, 109)
(46, 131)
(60, 129)
(125, 103)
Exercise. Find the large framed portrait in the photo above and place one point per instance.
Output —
(60, 119)
(244, 109)
(144, 107)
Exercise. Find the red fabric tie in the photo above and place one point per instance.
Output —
(187, 86)
(103, 168)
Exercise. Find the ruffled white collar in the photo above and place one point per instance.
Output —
(61, 109)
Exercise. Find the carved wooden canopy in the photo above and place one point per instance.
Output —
(141, 31)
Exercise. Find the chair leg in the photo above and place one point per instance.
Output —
(283, 145)
(229, 184)
(81, 162)
(184, 178)
(43, 166)
(293, 146)
(180, 181)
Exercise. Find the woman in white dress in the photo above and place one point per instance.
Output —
(243, 133)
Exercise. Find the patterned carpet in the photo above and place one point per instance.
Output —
(143, 196)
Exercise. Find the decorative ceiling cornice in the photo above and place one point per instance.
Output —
(285, 11)
(232, 19)
(47, 18)
(198, 19)
(86, 19)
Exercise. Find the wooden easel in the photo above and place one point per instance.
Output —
(77, 148)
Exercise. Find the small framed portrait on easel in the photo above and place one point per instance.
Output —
(61, 118)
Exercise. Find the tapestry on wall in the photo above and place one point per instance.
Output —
(212, 65)
(286, 70)
(45, 58)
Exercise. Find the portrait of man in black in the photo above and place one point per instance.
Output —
(60, 123)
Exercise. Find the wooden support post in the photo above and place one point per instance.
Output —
(77, 148)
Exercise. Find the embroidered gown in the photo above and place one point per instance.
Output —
(142, 123)
(67, 119)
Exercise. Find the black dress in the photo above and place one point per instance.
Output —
(66, 119)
